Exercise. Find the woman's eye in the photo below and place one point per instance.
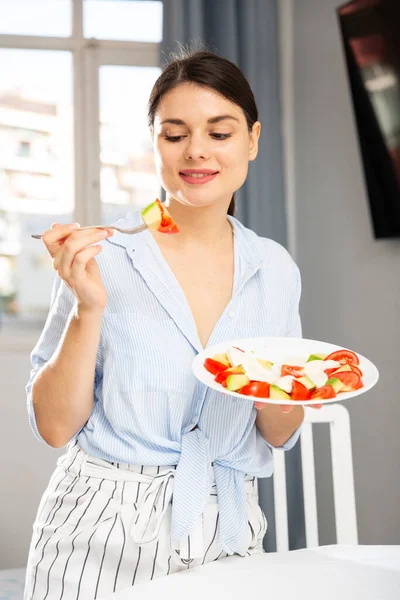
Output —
(174, 138)
(178, 138)
(221, 136)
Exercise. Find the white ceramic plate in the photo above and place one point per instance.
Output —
(279, 349)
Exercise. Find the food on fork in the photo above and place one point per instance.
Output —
(318, 376)
(157, 217)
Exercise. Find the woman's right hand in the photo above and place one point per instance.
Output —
(75, 262)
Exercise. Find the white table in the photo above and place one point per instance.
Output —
(325, 572)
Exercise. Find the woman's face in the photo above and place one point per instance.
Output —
(202, 145)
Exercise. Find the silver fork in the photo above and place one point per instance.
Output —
(138, 229)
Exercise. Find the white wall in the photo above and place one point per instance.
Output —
(351, 282)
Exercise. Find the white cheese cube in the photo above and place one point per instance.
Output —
(318, 366)
(319, 378)
(285, 383)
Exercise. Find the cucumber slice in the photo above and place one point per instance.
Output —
(152, 215)
(276, 393)
(307, 382)
(343, 368)
(316, 357)
(235, 382)
(336, 384)
(267, 364)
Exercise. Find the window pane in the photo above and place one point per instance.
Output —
(36, 173)
(128, 178)
(127, 20)
(36, 17)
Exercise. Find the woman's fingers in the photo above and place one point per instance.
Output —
(52, 237)
(285, 408)
(81, 260)
(76, 242)
(260, 405)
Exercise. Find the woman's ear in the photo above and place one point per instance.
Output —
(254, 135)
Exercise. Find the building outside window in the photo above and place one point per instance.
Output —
(74, 142)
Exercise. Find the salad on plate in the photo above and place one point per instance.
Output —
(310, 377)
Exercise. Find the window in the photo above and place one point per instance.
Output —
(128, 179)
(36, 113)
(67, 149)
(138, 21)
(24, 150)
(36, 17)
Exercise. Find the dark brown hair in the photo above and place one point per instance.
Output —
(207, 69)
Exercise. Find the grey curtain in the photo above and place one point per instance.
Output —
(246, 32)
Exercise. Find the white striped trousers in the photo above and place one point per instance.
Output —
(102, 527)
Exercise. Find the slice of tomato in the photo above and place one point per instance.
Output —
(292, 370)
(350, 379)
(213, 366)
(260, 389)
(344, 357)
(167, 225)
(356, 370)
(222, 376)
(171, 228)
(324, 392)
(330, 371)
(299, 391)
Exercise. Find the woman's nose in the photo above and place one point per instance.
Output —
(196, 149)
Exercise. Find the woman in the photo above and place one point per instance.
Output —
(160, 471)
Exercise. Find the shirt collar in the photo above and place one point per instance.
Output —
(142, 248)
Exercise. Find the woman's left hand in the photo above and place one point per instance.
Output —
(285, 408)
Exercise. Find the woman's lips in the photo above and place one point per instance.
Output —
(198, 178)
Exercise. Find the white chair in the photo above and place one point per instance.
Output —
(343, 481)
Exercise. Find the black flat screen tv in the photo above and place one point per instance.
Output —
(370, 33)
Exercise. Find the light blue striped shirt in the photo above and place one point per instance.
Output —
(147, 400)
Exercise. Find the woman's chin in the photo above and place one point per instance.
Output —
(192, 200)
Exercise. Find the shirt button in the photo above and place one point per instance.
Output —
(231, 313)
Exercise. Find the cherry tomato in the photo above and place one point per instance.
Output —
(299, 391)
(344, 357)
(291, 370)
(213, 366)
(324, 392)
(260, 389)
(350, 379)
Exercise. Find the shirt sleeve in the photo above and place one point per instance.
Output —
(294, 330)
(294, 321)
(62, 306)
